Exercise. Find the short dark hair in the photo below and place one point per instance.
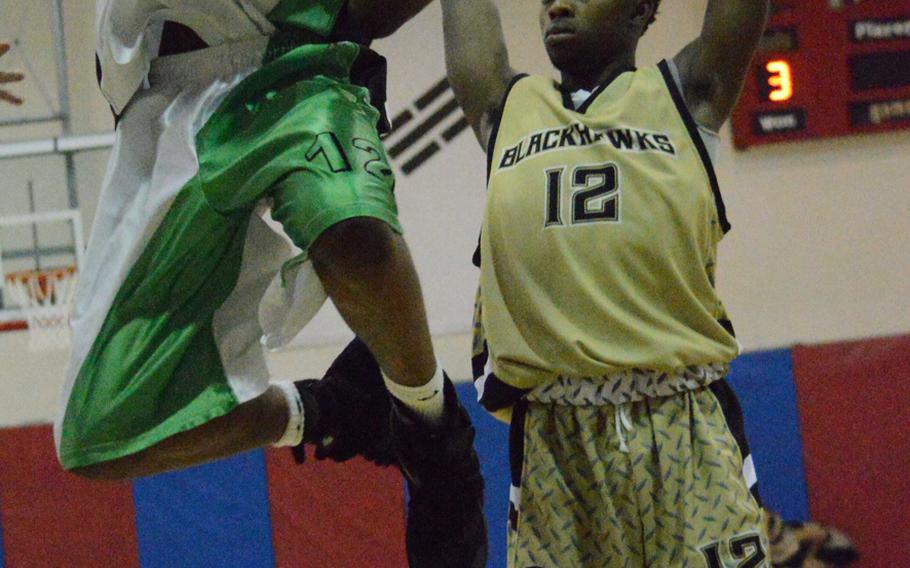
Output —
(653, 16)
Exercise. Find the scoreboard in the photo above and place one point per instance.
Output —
(827, 68)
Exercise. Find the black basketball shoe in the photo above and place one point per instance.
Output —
(347, 411)
(446, 524)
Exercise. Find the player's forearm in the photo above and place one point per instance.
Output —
(381, 18)
(477, 61)
(727, 21)
(714, 66)
(731, 32)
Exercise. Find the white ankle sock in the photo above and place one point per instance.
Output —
(293, 433)
(427, 401)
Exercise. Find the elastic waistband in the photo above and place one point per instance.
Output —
(203, 65)
(632, 385)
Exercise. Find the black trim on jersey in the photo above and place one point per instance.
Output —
(475, 258)
(479, 362)
(491, 146)
(497, 394)
(733, 414)
(567, 101)
(728, 326)
(694, 134)
(497, 119)
(567, 96)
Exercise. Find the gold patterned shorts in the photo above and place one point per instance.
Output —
(657, 483)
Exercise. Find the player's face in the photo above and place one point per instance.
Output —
(581, 33)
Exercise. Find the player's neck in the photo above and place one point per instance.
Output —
(592, 77)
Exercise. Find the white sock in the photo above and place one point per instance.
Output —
(427, 401)
(293, 433)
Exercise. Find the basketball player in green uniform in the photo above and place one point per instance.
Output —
(227, 111)
(599, 330)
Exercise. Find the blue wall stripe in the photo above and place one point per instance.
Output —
(493, 448)
(212, 515)
(765, 385)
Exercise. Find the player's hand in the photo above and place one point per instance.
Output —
(5, 78)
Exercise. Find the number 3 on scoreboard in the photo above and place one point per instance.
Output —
(595, 195)
(780, 79)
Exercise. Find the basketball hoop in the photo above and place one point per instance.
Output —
(45, 298)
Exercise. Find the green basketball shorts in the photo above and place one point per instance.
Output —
(166, 333)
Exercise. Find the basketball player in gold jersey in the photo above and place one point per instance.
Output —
(599, 331)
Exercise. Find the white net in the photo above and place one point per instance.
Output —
(45, 298)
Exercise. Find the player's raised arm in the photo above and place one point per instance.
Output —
(381, 18)
(714, 66)
(477, 61)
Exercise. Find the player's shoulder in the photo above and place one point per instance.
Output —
(523, 85)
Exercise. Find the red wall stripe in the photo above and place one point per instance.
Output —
(328, 514)
(854, 401)
(52, 518)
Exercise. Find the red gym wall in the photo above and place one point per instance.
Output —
(829, 427)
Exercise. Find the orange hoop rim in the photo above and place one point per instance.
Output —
(23, 276)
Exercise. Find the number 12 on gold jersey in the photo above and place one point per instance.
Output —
(595, 195)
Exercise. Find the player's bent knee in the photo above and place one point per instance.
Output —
(354, 245)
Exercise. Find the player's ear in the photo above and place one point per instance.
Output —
(643, 14)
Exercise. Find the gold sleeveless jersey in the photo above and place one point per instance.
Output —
(600, 235)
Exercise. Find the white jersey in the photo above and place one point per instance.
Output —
(129, 34)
